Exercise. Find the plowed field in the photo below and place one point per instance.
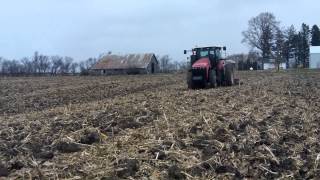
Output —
(153, 127)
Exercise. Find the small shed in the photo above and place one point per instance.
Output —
(314, 57)
(126, 64)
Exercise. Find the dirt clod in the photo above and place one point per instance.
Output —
(174, 172)
(158, 153)
(289, 164)
(224, 169)
(68, 147)
(127, 167)
(4, 172)
(46, 154)
(90, 136)
(17, 165)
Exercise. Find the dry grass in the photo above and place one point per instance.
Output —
(153, 127)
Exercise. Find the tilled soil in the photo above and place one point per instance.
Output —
(153, 127)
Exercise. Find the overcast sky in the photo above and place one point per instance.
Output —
(86, 28)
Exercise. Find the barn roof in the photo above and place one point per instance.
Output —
(124, 62)
(314, 49)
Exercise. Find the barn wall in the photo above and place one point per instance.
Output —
(135, 71)
(315, 61)
(147, 70)
(118, 71)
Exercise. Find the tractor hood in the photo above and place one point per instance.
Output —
(202, 63)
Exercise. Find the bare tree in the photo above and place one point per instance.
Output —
(11, 67)
(164, 63)
(74, 67)
(41, 64)
(82, 66)
(27, 65)
(184, 65)
(44, 63)
(90, 62)
(66, 64)
(57, 63)
(35, 62)
(86, 65)
(176, 65)
(5, 66)
(261, 33)
(254, 60)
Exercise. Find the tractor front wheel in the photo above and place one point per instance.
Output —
(190, 81)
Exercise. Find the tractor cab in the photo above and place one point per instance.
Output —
(211, 55)
(214, 54)
(208, 66)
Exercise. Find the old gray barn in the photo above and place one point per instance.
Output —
(127, 64)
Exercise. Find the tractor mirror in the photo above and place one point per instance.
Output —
(224, 48)
(185, 51)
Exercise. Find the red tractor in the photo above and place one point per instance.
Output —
(209, 68)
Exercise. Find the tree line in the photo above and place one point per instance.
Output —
(167, 65)
(247, 61)
(40, 64)
(281, 44)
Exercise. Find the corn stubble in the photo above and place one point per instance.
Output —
(153, 127)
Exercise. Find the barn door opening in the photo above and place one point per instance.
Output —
(152, 68)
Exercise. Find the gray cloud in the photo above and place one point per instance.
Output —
(82, 28)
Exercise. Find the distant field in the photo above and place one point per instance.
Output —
(153, 127)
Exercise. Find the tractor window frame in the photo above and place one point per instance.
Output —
(206, 52)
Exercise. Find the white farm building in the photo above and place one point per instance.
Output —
(315, 57)
(271, 64)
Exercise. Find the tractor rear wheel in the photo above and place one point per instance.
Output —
(190, 81)
(213, 78)
(220, 78)
(229, 75)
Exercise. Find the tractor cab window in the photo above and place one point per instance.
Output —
(204, 53)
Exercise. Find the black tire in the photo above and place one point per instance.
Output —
(190, 81)
(203, 84)
(229, 75)
(213, 78)
(220, 78)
